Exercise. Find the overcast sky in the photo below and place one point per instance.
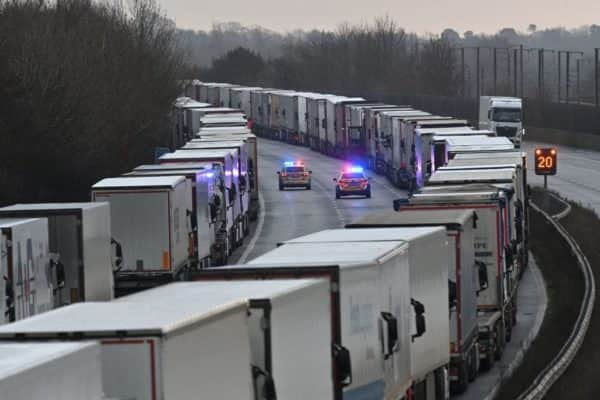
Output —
(421, 16)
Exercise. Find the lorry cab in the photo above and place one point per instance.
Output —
(503, 115)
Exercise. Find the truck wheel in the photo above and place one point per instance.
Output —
(486, 364)
(473, 367)
(499, 342)
(463, 379)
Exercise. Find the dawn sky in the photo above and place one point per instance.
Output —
(421, 16)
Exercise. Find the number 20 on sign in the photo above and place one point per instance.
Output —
(545, 161)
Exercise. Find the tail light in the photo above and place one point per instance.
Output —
(305, 174)
(284, 174)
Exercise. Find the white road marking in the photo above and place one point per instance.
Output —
(257, 232)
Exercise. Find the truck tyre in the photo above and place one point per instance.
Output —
(499, 342)
(441, 383)
(462, 383)
(486, 364)
(473, 360)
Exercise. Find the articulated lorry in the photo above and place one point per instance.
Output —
(503, 115)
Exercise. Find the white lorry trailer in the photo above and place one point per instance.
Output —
(496, 304)
(207, 202)
(26, 267)
(79, 245)
(241, 176)
(460, 232)
(371, 128)
(429, 267)
(241, 97)
(444, 148)
(50, 371)
(153, 351)
(503, 115)
(289, 326)
(150, 223)
(228, 161)
(369, 294)
(423, 140)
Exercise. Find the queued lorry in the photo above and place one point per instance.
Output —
(79, 245)
(240, 148)
(289, 330)
(503, 115)
(51, 371)
(153, 351)
(463, 289)
(25, 263)
(228, 162)
(207, 204)
(429, 265)
(150, 220)
(423, 147)
(496, 304)
(226, 134)
(370, 308)
(444, 148)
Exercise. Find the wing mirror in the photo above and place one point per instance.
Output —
(419, 318)
(483, 276)
(341, 356)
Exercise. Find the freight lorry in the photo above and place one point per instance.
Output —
(153, 351)
(370, 306)
(80, 248)
(503, 115)
(151, 225)
(444, 148)
(250, 140)
(26, 267)
(228, 161)
(240, 148)
(428, 258)
(372, 131)
(465, 280)
(496, 304)
(50, 371)
(207, 204)
(289, 326)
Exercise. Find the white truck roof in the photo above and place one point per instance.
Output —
(214, 145)
(224, 291)
(65, 207)
(173, 166)
(362, 235)
(472, 140)
(472, 175)
(12, 222)
(118, 319)
(414, 218)
(139, 182)
(476, 163)
(488, 154)
(196, 154)
(344, 254)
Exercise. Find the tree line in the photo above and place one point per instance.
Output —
(85, 92)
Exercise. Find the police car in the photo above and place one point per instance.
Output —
(294, 174)
(351, 182)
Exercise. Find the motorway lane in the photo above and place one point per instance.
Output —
(578, 175)
(296, 212)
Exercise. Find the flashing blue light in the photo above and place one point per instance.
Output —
(358, 170)
(288, 164)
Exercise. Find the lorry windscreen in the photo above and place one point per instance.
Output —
(507, 115)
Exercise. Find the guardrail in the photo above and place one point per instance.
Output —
(553, 371)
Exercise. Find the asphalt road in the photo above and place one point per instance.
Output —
(578, 175)
(296, 212)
